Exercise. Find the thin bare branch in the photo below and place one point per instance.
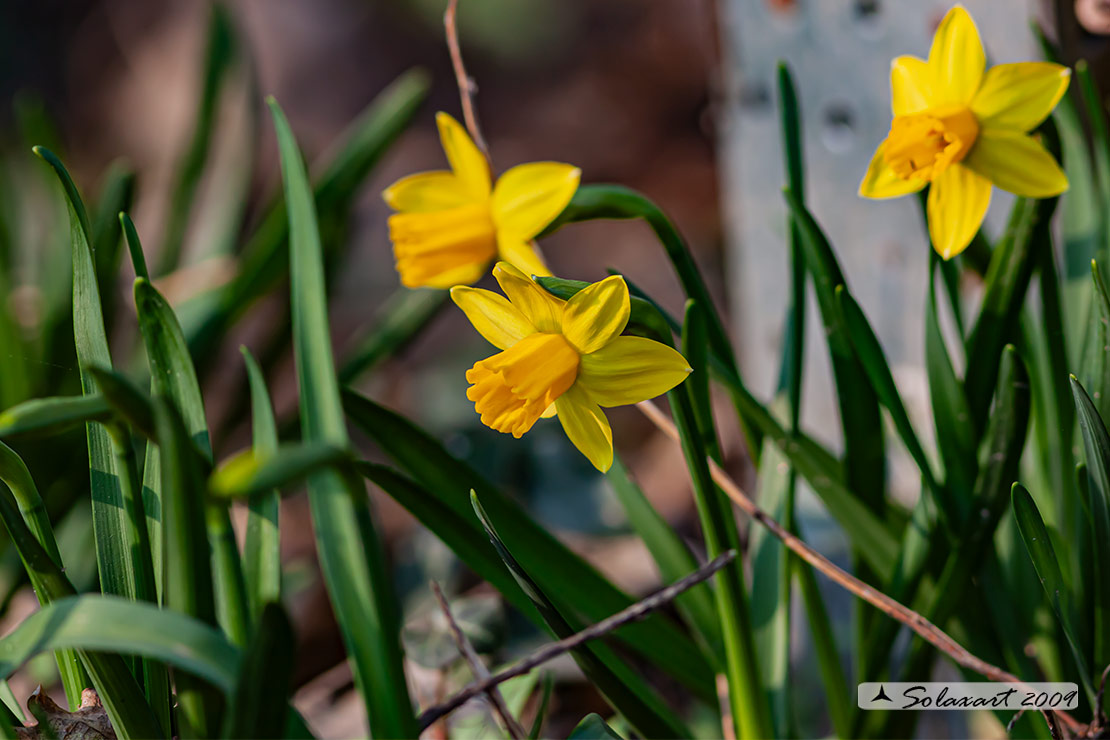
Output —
(467, 86)
(894, 609)
(478, 668)
(634, 613)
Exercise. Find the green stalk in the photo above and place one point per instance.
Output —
(747, 698)
(262, 550)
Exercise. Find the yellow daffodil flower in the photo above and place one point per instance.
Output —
(960, 128)
(562, 357)
(450, 225)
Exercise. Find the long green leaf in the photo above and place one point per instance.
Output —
(131, 405)
(188, 586)
(1096, 446)
(262, 549)
(115, 539)
(864, 456)
(1039, 546)
(956, 441)
(116, 195)
(750, 710)
(621, 685)
(47, 417)
(107, 624)
(871, 357)
(173, 376)
(576, 586)
(351, 554)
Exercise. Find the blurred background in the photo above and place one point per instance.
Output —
(671, 97)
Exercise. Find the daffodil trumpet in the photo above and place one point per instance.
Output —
(960, 128)
(564, 358)
(450, 225)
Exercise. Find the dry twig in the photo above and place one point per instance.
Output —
(634, 613)
(478, 668)
(466, 84)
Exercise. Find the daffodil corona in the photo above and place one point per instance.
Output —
(450, 225)
(564, 358)
(959, 128)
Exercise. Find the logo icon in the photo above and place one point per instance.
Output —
(881, 696)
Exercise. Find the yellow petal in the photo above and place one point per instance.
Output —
(586, 426)
(881, 182)
(425, 192)
(909, 85)
(501, 323)
(468, 163)
(958, 200)
(629, 370)
(1016, 162)
(956, 59)
(543, 310)
(1019, 96)
(529, 196)
(521, 254)
(429, 275)
(597, 314)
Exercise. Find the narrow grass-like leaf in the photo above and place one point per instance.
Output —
(262, 549)
(188, 578)
(220, 54)
(864, 455)
(873, 360)
(956, 440)
(750, 711)
(1041, 552)
(575, 585)
(264, 260)
(115, 541)
(350, 551)
(398, 322)
(670, 553)
(264, 679)
(107, 624)
(47, 417)
(250, 473)
(621, 685)
(134, 246)
(1096, 446)
(173, 376)
(536, 729)
(14, 474)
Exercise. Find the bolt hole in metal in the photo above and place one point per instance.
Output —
(838, 127)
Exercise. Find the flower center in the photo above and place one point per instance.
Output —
(922, 145)
(433, 245)
(512, 389)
